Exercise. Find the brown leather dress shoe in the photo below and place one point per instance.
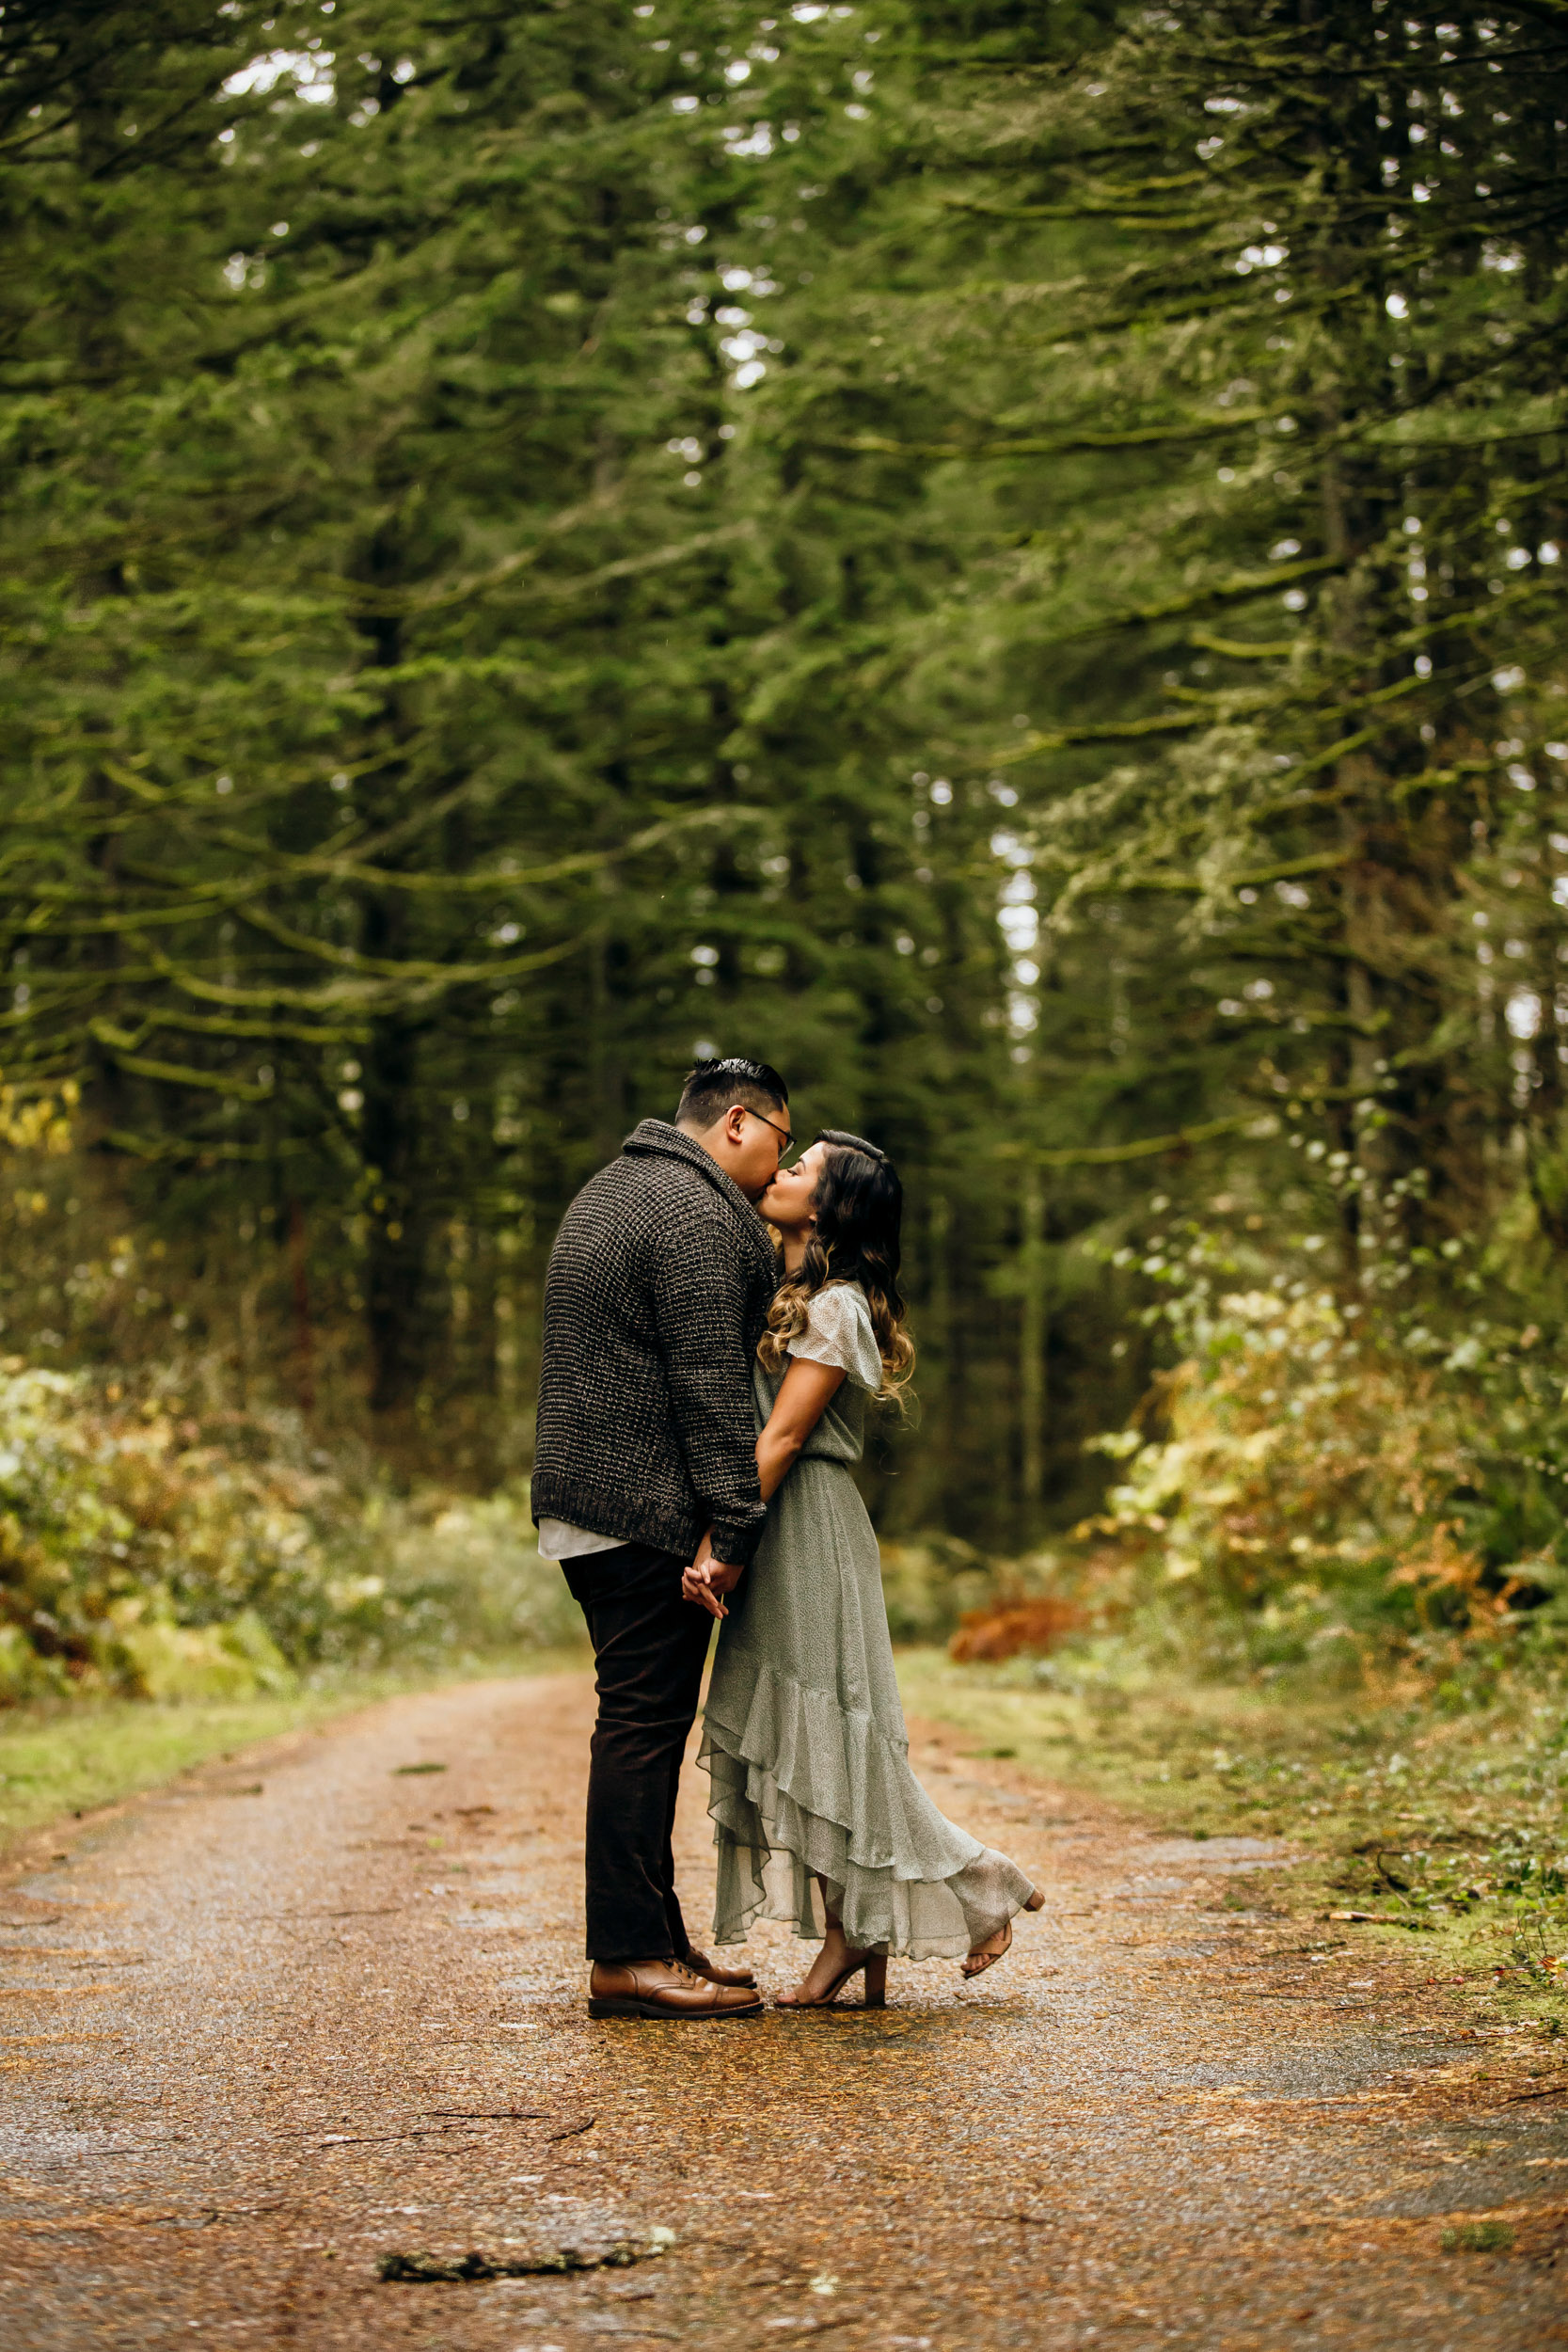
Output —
(701, 1965)
(664, 1988)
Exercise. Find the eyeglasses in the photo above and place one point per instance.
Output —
(787, 1145)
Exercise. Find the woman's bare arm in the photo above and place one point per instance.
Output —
(802, 1398)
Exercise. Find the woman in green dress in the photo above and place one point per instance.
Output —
(817, 1817)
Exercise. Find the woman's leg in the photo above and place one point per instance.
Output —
(835, 1961)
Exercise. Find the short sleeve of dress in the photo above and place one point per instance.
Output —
(838, 1332)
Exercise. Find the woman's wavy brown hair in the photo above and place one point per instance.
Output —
(860, 1208)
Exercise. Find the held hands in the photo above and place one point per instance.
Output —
(707, 1580)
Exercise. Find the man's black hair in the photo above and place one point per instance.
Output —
(713, 1086)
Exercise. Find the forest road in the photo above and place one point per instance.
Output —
(321, 2004)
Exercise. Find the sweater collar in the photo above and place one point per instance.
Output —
(656, 1137)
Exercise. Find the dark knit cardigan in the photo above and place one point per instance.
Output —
(657, 1291)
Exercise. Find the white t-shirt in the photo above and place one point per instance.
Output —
(560, 1540)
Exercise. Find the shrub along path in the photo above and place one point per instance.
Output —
(316, 2011)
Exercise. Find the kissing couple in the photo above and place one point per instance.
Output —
(702, 1398)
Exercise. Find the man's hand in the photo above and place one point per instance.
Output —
(707, 1580)
(706, 1586)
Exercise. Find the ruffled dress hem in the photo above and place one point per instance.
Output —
(805, 1788)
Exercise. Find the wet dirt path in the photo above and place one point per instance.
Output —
(309, 2008)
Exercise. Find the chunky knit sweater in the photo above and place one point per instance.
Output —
(657, 1291)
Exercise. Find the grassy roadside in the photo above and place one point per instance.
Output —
(1446, 1833)
(59, 1759)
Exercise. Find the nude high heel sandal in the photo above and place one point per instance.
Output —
(997, 1946)
(875, 1965)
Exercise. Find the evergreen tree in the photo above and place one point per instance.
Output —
(1218, 360)
(407, 541)
(1008, 560)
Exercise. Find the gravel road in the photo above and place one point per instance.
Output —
(320, 2007)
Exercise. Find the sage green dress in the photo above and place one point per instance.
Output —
(803, 1735)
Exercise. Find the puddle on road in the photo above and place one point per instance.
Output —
(1327, 2070)
(1207, 1851)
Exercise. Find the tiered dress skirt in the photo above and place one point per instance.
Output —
(803, 1734)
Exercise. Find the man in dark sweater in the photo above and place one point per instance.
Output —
(658, 1292)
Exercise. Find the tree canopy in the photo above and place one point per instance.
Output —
(1008, 560)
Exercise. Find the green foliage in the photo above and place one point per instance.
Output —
(929, 1585)
(467, 731)
(141, 1552)
(1010, 560)
(1408, 1824)
(1222, 361)
(1478, 2237)
(1331, 1484)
